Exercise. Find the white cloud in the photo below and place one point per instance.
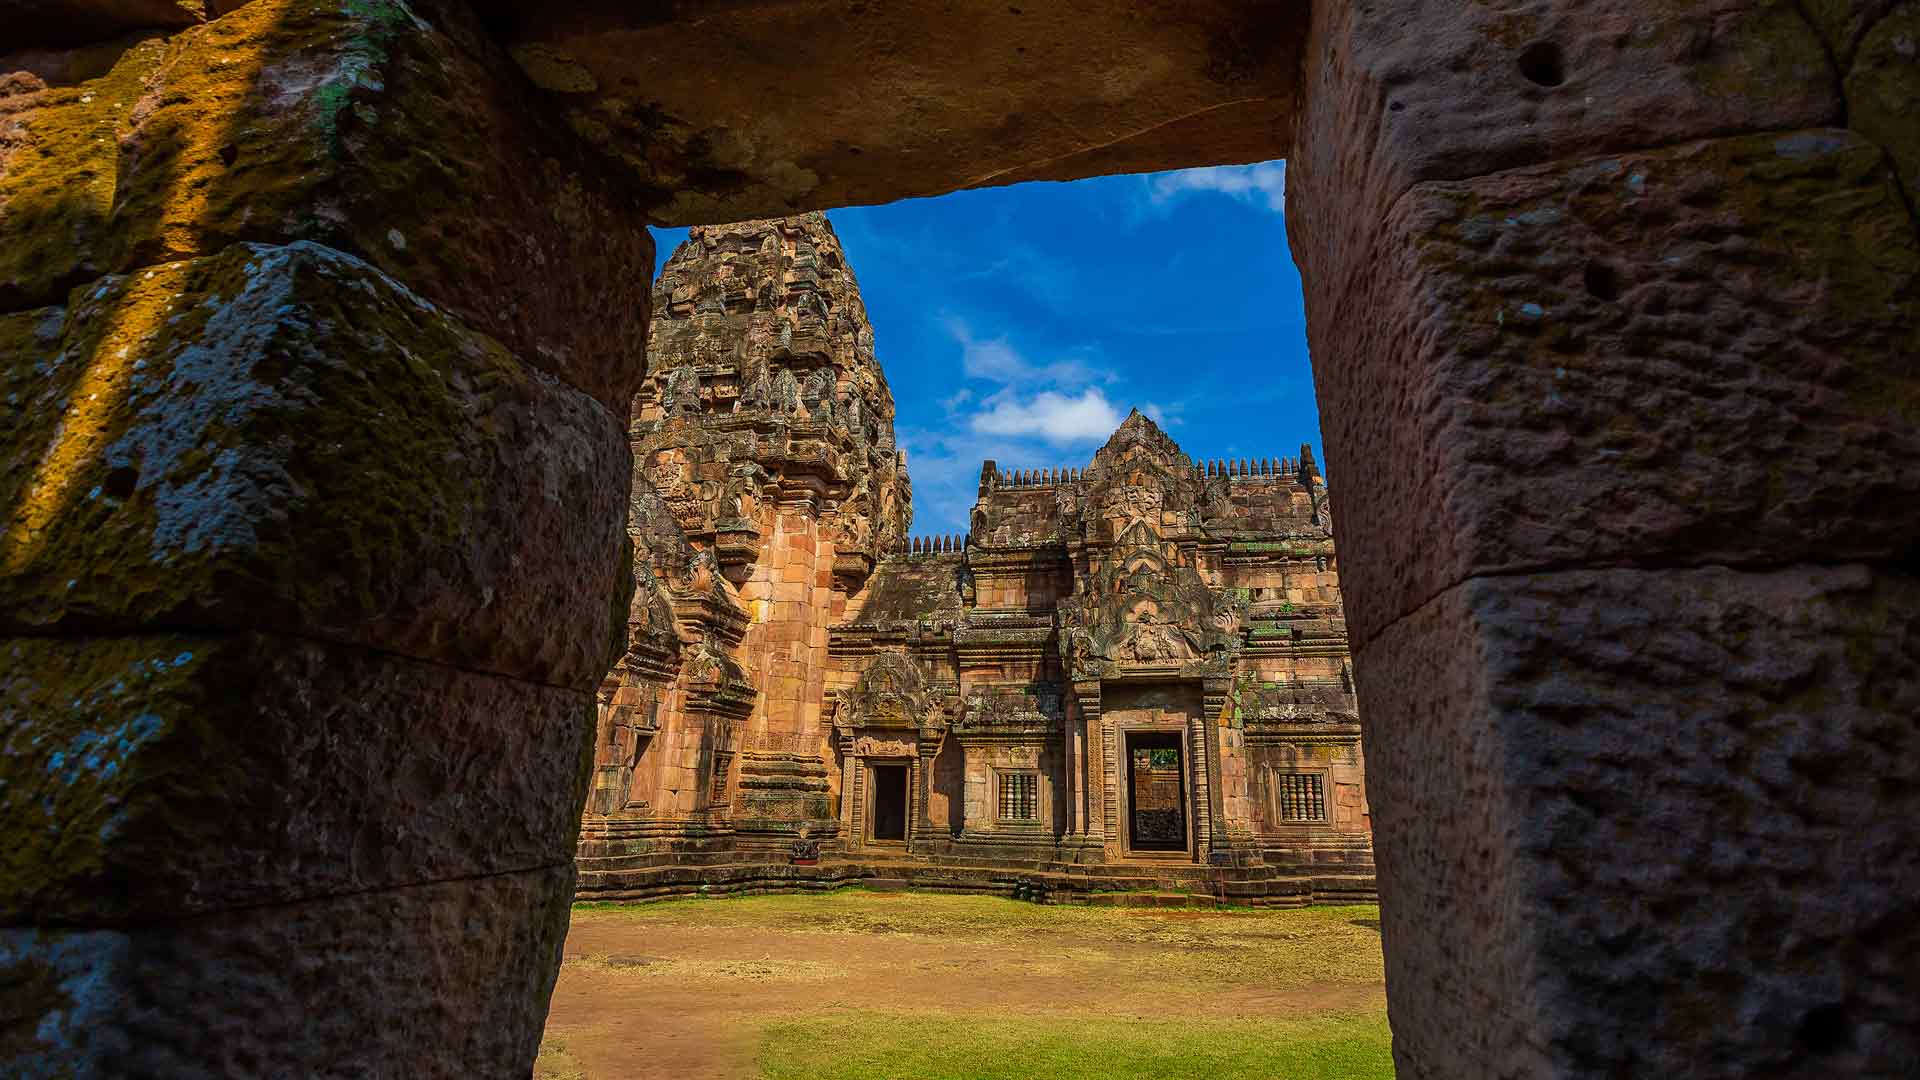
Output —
(996, 360)
(1262, 184)
(1056, 418)
(1017, 412)
(1165, 415)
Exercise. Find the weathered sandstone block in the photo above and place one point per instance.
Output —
(1842, 23)
(32, 23)
(165, 776)
(909, 97)
(285, 438)
(1664, 823)
(440, 980)
(396, 132)
(1883, 92)
(1690, 355)
(1442, 90)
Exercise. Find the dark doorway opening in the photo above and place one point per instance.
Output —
(889, 801)
(1156, 791)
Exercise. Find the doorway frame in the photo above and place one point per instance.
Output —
(1123, 776)
(869, 774)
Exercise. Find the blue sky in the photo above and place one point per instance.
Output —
(1021, 323)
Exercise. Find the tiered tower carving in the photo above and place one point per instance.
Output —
(763, 456)
(1139, 660)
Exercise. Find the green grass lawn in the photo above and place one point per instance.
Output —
(882, 1046)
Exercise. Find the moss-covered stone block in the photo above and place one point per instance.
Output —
(394, 131)
(285, 438)
(443, 979)
(155, 777)
(1842, 23)
(1883, 92)
(1693, 355)
(1655, 822)
(1425, 90)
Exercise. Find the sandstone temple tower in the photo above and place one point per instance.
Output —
(1130, 673)
(766, 488)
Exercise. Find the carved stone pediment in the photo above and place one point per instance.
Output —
(892, 693)
(716, 684)
(1151, 641)
(1139, 443)
(1140, 610)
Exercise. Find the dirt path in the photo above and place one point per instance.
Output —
(658, 994)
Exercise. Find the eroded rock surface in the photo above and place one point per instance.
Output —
(311, 547)
(443, 500)
(910, 97)
(396, 132)
(179, 775)
(1702, 817)
(1693, 368)
(450, 978)
(1629, 365)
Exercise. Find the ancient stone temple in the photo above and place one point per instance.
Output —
(766, 488)
(320, 324)
(1127, 674)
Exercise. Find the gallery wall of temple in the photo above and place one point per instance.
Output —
(1139, 658)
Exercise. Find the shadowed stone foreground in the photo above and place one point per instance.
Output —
(1611, 305)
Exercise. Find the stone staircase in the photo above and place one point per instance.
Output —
(644, 876)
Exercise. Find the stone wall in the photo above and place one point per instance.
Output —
(312, 468)
(1611, 304)
(1635, 393)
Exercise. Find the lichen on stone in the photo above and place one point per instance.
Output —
(286, 437)
(93, 734)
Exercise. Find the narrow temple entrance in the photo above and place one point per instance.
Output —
(889, 801)
(1156, 792)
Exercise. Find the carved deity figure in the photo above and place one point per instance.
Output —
(1152, 640)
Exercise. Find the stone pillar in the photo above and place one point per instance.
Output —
(1092, 822)
(1615, 315)
(1073, 763)
(784, 786)
(851, 809)
(311, 546)
(922, 825)
(1200, 768)
(1229, 806)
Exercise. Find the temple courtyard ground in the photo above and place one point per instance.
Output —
(899, 985)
